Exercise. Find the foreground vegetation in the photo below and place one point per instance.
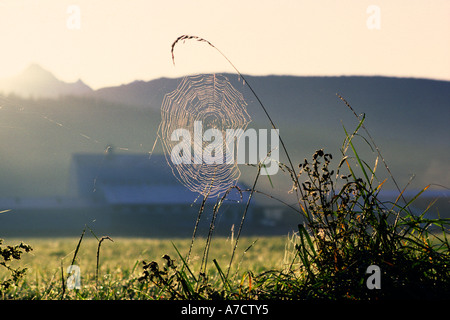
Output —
(121, 264)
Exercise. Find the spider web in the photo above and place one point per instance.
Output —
(211, 99)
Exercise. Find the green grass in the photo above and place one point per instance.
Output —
(121, 262)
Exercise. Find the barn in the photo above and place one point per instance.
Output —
(134, 195)
(142, 193)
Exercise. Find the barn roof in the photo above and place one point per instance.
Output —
(136, 179)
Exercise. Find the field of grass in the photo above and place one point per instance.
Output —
(121, 263)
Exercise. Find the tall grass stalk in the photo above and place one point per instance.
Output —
(190, 37)
(98, 256)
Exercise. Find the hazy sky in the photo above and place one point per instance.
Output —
(110, 42)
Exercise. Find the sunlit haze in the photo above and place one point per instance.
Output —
(108, 43)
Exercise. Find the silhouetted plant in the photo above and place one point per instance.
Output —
(349, 228)
(7, 254)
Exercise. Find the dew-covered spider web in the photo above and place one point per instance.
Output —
(209, 100)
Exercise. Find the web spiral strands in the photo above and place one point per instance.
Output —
(212, 101)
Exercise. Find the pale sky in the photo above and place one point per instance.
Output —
(110, 42)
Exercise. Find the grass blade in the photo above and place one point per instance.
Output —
(184, 262)
(302, 251)
(98, 256)
(304, 233)
(78, 246)
(350, 143)
(222, 276)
